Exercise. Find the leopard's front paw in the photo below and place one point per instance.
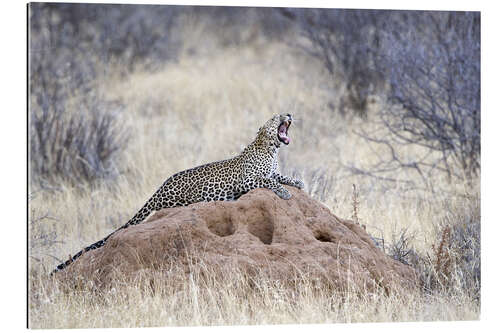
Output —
(298, 184)
(283, 193)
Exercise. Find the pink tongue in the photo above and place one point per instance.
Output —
(282, 134)
(283, 137)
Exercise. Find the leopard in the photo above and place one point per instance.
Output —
(227, 180)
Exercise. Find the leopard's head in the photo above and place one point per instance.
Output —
(275, 131)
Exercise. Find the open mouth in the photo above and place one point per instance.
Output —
(283, 132)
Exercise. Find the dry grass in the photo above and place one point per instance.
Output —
(201, 299)
(205, 108)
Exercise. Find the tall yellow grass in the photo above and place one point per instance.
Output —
(199, 299)
(205, 108)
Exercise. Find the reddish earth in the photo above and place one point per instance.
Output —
(257, 234)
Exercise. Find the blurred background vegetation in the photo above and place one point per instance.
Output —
(424, 65)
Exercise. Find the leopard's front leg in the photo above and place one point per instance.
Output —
(288, 180)
(269, 183)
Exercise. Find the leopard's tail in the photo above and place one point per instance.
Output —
(138, 218)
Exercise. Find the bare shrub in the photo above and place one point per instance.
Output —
(74, 133)
(42, 236)
(401, 249)
(347, 42)
(465, 240)
(126, 33)
(451, 265)
(78, 146)
(432, 63)
(453, 262)
(425, 65)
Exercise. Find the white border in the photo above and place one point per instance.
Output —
(13, 171)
